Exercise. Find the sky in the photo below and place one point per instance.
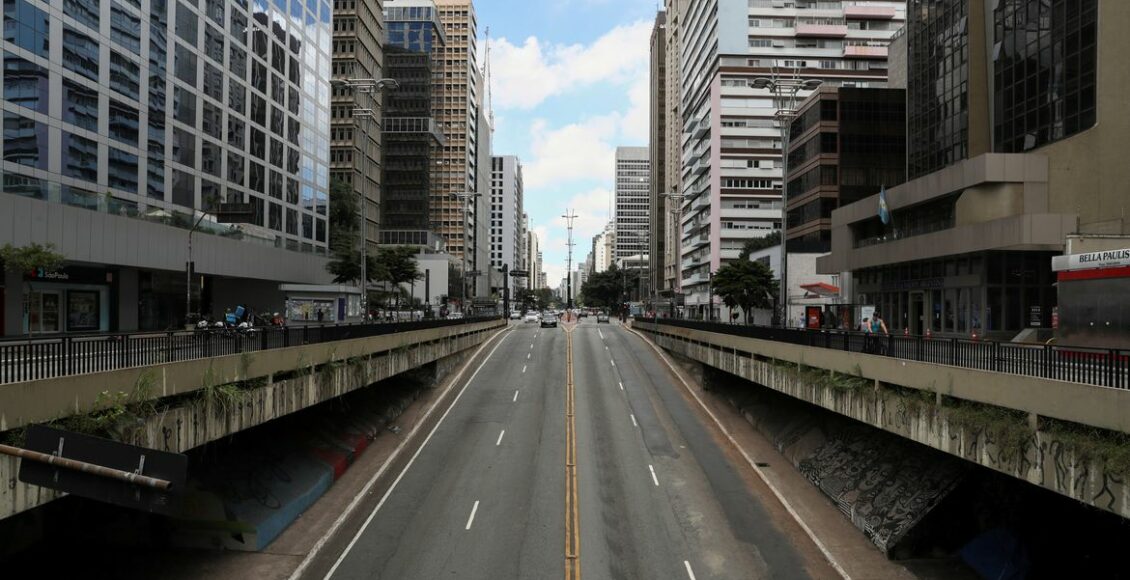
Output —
(569, 82)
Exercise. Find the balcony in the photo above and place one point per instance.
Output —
(822, 30)
(856, 12)
(865, 52)
(701, 129)
(413, 125)
(700, 167)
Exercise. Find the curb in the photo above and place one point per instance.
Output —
(749, 460)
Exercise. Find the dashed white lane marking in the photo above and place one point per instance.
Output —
(527, 356)
(600, 333)
(515, 396)
(606, 347)
(690, 572)
(499, 442)
(531, 346)
(653, 478)
(613, 362)
(471, 519)
(524, 368)
(621, 386)
(634, 424)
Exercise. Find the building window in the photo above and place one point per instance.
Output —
(125, 75)
(80, 157)
(123, 170)
(80, 53)
(25, 83)
(125, 29)
(27, 27)
(123, 123)
(937, 85)
(25, 141)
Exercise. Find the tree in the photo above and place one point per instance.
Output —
(744, 284)
(756, 244)
(397, 265)
(31, 257)
(607, 289)
(345, 226)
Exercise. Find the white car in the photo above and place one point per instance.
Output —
(515, 315)
(530, 317)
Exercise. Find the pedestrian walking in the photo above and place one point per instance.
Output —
(878, 328)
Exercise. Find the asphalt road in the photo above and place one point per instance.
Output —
(657, 495)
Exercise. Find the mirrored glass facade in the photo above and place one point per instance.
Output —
(937, 85)
(155, 113)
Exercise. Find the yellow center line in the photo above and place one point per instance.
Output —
(572, 514)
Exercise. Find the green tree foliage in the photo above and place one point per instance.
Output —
(610, 288)
(397, 265)
(527, 299)
(345, 229)
(744, 284)
(756, 244)
(31, 257)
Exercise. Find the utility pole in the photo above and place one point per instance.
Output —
(569, 217)
(677, 199)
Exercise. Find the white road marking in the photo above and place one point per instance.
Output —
(653, 478)
(499, 442)
(515, 396)
(634, 424)
(531, 346)
(613, 362)
(471, 519)
(527, 356)
(690, 572)
(621, 386)
(524, 368)
(298, 572)
(600, 333)
(606, 347)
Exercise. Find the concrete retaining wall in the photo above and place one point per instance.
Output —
(202, 419)
(1030, 454)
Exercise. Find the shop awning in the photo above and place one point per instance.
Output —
(821, 289)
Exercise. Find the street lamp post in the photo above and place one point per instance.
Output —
(188, 272)
(569, 216)
(785, 90)
(365, 87)
(677, 199)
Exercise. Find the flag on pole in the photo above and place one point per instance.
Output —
(884, 210)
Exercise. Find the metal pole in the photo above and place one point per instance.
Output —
(188, 273)
(76, 465)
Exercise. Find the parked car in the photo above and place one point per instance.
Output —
(549, 320)
(602, 317)
(531, 317)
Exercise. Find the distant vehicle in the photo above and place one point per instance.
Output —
(549, 320)
(531, 317)
(602, 317)
(582, 313)
(515, 315)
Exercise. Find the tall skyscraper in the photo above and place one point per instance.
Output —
(412, 136)
(732, 177)
(162, 111)
(506, 209)
(657, 206)
(633, 170)
(673, 141)
(533, 249)
(355, 147)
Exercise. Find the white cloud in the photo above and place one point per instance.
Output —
(525, 75)
(575, 152)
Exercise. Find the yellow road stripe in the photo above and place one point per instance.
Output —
(572, 512)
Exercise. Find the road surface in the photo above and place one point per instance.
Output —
(598, 469)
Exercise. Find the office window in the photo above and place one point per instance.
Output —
(80, 53)
(125, 75)
(212, 120)
(25, 83)
(184, 189)
(80, 105)
(156, 142)
(214, 44)
(125, 29)
(80, 157)
(210, 158)
(155, 170)
(84, 11)
(215, 10)
(184, 65)
(123, 170)
(25, 141)
(213, 82)
(27, 27)
(184, 106)
(123, 123)
(184, 147)
(236, 128)
(235, 168)
(186, 27)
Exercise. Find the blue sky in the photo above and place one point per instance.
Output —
(569, 84)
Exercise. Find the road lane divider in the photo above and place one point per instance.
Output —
(515, 396)
(653, 477)
(471, 519)
(572, 509)
(690, 573)
(300, 571)
(499, 442)
(633, 416)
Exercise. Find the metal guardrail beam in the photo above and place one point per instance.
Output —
(1104, 367)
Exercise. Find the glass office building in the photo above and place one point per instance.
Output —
(160, 109)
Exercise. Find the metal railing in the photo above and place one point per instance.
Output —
(1106, 367)
(30, 359)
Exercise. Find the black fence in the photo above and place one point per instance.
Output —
(32, 359)
(1091, 366)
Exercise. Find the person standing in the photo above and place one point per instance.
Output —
(879, 328)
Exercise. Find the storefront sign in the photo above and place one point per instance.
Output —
(1035, 316)
(1104, 259)
(71, 275)
(920, 284)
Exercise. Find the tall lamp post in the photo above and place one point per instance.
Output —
(469, 197)
(569, 216)
(677, 198)
(365, 87)
(785, 90)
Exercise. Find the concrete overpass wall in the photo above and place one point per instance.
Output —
(206, 400)
(995, 420)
